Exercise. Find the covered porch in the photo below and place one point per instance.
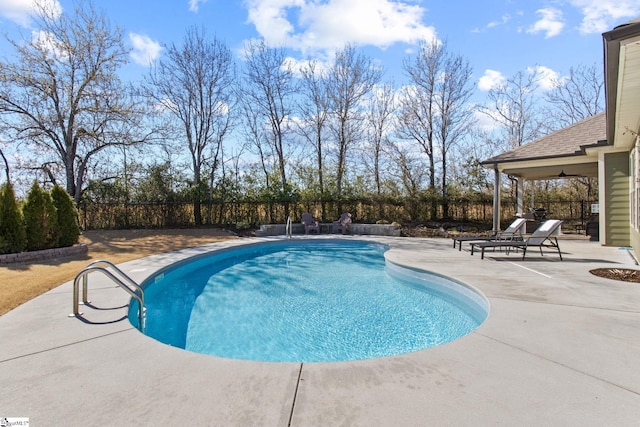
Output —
(579, 150)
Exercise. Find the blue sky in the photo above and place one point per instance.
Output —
(498, 37)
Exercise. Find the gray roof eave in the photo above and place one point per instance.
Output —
(571, 141)
(495, 160)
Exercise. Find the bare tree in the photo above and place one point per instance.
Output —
(349, 80)
(380, 116)
(257, 139)
(194, 84)
(575, 98)
(63, 94)
(512, 106)
(454, 118)
(270, 86)
(408, 169)
(418, 107)
(414, 125)
(254, 136)
(6, 167)
(433, 110)
(314, 111)
(468, 173)
(578, 96)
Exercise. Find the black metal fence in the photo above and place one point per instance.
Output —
(246, 214)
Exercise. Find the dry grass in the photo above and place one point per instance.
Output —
(21, 282)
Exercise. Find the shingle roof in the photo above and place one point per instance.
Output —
(569, 141)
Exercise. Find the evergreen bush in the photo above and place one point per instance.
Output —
(67, 217)
(12, 232)
(40, 220)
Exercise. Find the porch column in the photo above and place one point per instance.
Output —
(497, 184)
(602, 199)
(520, 195)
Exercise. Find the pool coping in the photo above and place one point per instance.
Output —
(560, 346)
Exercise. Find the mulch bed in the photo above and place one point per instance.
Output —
(624, 274)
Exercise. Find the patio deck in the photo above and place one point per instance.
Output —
(560, 347)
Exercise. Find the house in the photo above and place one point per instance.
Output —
(605, 146)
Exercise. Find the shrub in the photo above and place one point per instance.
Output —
(242, 225)
(67, 217)
(11, 226)
(40, 220)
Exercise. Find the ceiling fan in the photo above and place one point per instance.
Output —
(565, 175)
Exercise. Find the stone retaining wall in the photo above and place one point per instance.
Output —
(354, 228)
(44, 255)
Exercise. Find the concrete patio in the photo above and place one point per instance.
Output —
(560, 347)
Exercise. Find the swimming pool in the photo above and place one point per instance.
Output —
(305, 301)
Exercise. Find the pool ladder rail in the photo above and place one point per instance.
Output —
(118, 277)
(287, 229)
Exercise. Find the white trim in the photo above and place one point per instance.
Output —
(497, 190)
(605, 149)
(634, 187)
(520, 196)
(505, 167)
(602, 200)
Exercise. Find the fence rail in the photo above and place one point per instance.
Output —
(251, 213)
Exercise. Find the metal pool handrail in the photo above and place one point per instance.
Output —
(119, 278)
(287, 229)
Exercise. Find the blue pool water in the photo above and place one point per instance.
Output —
(305, 301)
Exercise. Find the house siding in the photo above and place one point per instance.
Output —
(618, 232)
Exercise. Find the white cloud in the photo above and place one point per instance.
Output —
(551, 23)
(602, 15)
(484, 122)
(297, 65)
(490, 80)
(505, 18)
(329, 24)
(165, 105)
(20, 11)
(221, 109)
(493, 24)
(194, 5)
(145, 50)
(47, 42)
(545, 77)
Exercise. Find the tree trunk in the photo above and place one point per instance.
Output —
(197, 211)
(432, 187)
(445, 195)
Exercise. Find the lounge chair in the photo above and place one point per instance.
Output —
(310, 224)
(342, 224)
(542, 237)
(513, 232)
